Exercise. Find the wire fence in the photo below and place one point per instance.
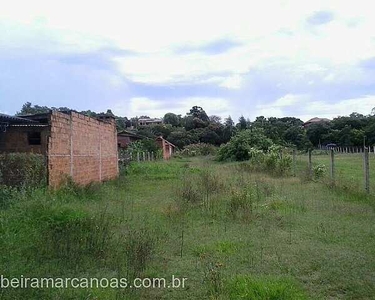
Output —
(351, 168)
(127, 156)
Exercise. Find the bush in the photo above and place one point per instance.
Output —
(188, 191)
(241, 204)
(23, 170)
(272, 161)
(239, 147)
(319, 171)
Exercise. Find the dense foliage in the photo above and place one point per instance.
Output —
(197, 127)
(239, 146)
(352, 130)
(22, 170)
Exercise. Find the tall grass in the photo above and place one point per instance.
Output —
(234, 232)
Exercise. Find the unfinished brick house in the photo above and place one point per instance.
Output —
(167, 147)
(124, 138)
(75, 146)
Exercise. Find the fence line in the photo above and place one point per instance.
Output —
(366, 167)
(334, 166)
(137, 156)
(349, 149)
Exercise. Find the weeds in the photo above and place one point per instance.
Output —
(23, 170)
(247, 287)
(139, 246)
(214, 279)
(241, 204)
(299, 232)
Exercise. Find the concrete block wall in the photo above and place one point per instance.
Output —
(82, 148)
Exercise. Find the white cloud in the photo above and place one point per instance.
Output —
(138, 106)
(232, 82)
(156, 28)
(307, 108)
(268, 33)
(362, 105)
(289, 100)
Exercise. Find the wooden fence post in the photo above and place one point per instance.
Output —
(366, 167)
(152, 155)
(148, 156)
(294, 162)
(310, 164)
(144, 155)
(138, 158)
(332, 166)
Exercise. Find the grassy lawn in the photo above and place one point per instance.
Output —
(233, 233)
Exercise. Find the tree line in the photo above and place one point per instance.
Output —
(197, 127)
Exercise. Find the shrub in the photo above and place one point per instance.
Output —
(272, 161)
(241, 204)
(23, 170)
(239, 147)
(284, 165)
(188, 191)
(319, 171)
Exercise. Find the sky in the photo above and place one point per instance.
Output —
(272, 58)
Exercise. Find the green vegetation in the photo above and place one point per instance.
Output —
(234, 231)
(349, 173)
(199, 149)
(239, 147)
(23, 169)
(197, 127)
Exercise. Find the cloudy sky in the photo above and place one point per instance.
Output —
(272, 58)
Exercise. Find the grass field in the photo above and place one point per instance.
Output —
(233, 233)
(349, 170)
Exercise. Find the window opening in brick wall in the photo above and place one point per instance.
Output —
(34, 138)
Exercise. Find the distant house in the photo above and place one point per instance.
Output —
(149, 121)
(75, 145)
(315, 120)
(167, 147)
(124, 138)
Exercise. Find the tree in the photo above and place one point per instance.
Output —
(199, 113)
(229, 122)
(242, 124)
(171, 118)
(29, 109)
(317, 133)
(110, 113)
(180, 137)
(215, 119)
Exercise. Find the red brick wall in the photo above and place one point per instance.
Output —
(82, 148)
(166, 148)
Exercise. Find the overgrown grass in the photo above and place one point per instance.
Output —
(349, 172)
(233, 232)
